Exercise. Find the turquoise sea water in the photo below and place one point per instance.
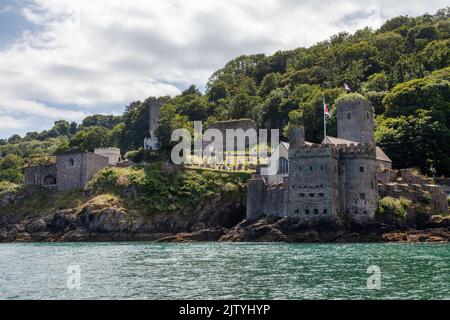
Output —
(223, 271)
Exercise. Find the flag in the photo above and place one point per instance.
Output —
(347, 88)
(326, 111)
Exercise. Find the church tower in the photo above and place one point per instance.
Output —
(355, 120)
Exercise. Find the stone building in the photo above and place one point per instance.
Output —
(113, 154)
(328, 180)
(151, 142)
(70, 171)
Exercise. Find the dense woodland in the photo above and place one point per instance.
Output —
(403, 68)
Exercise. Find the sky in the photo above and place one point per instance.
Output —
(66, 59)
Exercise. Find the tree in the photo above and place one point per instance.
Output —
(170, 120)
(62, 128)
(136, 120)
(107, 121)
(416, 140)
(73, 128)
(90, 138)
(11, 168)
(431, 93)
(11, 161)
(14, 139)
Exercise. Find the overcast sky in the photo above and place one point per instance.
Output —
(65, 59)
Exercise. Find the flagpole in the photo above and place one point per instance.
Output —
(324, 121)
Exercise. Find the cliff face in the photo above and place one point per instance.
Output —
(106, 218)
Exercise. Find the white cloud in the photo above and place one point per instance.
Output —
(8, 122)
(104, 53)
(39, 110)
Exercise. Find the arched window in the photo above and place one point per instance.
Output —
(283, 166)
(49, 180)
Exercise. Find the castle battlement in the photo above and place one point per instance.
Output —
(363, 150)
(312, 150)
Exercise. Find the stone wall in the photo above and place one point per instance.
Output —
(75, 170)
(265, 199)
(313, 182)
(413, 186)
(113, 154)
(41, 175)
(358, 182)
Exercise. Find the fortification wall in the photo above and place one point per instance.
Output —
(41, 175)
(358, 182)
(93, 163)
(431, 195)
(75, 170)
(265, 199)
(313, 182)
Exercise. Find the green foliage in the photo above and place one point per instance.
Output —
(11, 161)
(159, 187)
(349, 97)
(136, 156)
(403, 69)
(11, 169)
(90, 138)
(136, 123)
(431, 93)
(416, 140)
(98, 120)
(393, 207)
(8, 187)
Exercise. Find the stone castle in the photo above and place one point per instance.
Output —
(328, 180)
(342, 177)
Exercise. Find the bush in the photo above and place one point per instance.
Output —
(164, 188)
(7, 187)
(349, 97)
(12, 175)
(393, 207)
(136, 156)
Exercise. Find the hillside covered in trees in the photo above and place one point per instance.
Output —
(403, 68)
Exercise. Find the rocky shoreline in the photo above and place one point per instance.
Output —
(111, 225)
(104, 218)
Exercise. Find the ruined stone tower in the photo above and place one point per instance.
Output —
(152, 143)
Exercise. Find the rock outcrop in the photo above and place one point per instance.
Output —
(108, 221)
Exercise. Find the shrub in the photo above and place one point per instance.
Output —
(136, 156)
(165, 188)
(7, 187)
(349, 97)
(394, 207)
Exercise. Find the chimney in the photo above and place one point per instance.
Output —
(297, 137)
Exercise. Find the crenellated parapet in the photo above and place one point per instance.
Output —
(314, 150)
(366, 150)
